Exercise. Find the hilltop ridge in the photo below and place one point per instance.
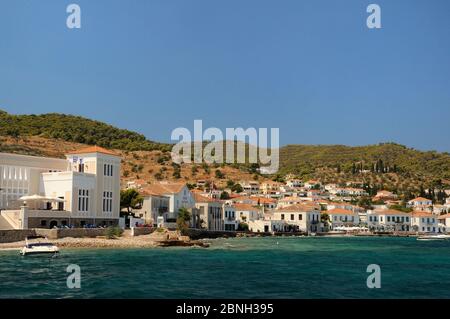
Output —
(386, 165)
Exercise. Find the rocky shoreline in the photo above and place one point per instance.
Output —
(163, 239)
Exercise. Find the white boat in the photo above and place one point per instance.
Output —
(39, 247)
(434, 237)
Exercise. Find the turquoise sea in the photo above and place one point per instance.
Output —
(289, 267)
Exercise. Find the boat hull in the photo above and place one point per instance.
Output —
(28, 251)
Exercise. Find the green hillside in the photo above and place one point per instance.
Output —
(387, 165)
(75, 129)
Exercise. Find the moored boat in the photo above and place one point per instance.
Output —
(434, 237)
(39, 247)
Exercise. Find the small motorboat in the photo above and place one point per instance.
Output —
(38, 247)
(434, 237)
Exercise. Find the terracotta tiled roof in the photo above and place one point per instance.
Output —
(263, 200)
(444, 216)
(164, 188)
(340, 211)
(297, 208)
(293, 198)
(93, 149)
(420, 199)
(203, 199)
(238, 198)
(422, 214)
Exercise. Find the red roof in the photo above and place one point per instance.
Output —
(93, 149)
(297, 208)
(422, 214)
(420, 199)
(245, 207)
(340, 211)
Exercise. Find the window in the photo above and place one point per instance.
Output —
(83, 200)
(292, 216)
(300, 216)
(282, 216)
(389, 218)
(107, 170)
(43, 223)
(107, 202)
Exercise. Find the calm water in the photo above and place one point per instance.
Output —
(238, 268)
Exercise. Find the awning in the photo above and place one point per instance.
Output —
(42, 198)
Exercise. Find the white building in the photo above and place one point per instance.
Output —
(251, 187)
(229, 217)
(299, 217)
(178, 196)
(294, 183)
(210, 213)
(420, 202)
(267, 225)
(246, 212)
(424, 222)
(82, 189)
(445, 221)
(339, 217)
(389, 220)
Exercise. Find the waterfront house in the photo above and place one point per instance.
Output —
(299, 217)
(83, 189)
(445, 221)
(210, 213)
(424, 222)
(339, 217)
(229, 217)
(389, 220)
(154, 205)
(247, 212)
(179, 196)
(267, 225)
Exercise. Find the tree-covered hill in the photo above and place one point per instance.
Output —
(387, 165)
(75, 129)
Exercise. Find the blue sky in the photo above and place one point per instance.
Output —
(311, 68)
